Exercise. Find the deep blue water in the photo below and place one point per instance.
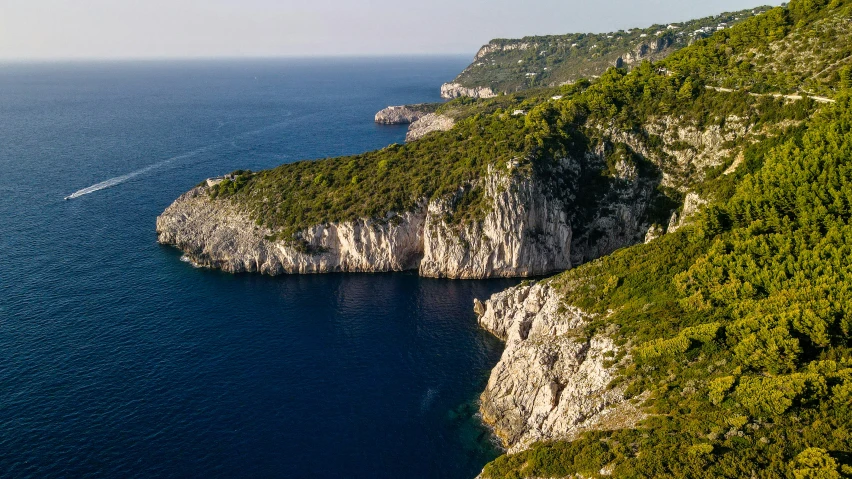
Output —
(119, 360)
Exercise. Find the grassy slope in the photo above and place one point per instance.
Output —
(557, 59)
(740, 325)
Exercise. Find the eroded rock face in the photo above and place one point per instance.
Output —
(691, 206)
(427, 124)
(619, 218)
(648, 51)
(216, 234)
(523, 234)
(456, 90)
(503, 47)
(551, 382)
(399, 115)
(685, 146)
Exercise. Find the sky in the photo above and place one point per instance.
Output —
(134, 29)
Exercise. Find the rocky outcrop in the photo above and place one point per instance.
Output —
(456, 90)
(694, 147)
(552, 381)
(494, 47)
(691, 205)
(401, 115)
(217, 234)
(648, 51)
(427, 124)
(522, 234)
(686, 149)
(618, 217)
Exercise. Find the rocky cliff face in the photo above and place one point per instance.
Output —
(216, 234)
(551, 382)
(523, 234)
(651, 51)
(400, 115)
(691, 205)
(456, 90)
(687, 149)
(503, 47)
(618, 217)
(427, 124)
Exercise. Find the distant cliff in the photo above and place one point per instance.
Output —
(404, 114)
(506, 65)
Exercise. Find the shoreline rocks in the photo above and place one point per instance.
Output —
(552, 382)
(217, 234)
(401, 115)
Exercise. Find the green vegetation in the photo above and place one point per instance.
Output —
(448, 165)
(514, 65)
(805, 47)
(738, 326)
(741, 326)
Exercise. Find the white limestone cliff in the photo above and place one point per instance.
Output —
(218, 235)
(523, 234)
(552, 382)
(400, 115)
(456, 90)
(427, 124)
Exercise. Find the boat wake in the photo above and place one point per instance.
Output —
(123, 178)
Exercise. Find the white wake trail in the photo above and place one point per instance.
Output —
(121, 179)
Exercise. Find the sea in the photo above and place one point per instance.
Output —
(117, 359)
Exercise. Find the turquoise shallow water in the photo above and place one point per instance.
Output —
(119, 360)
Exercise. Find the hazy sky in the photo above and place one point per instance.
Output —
(64, 29)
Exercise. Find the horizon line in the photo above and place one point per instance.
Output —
(330, 56)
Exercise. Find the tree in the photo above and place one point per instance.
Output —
(815, 463)
(846, 77)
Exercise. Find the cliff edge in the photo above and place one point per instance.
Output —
(523, 234)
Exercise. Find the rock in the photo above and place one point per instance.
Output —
(691, 205)
(427, 124)
(216, 234)
(739, 160)
(644, 51)
(551, 382)
(400, 115)
(456, 90)
(654, 232)
(503, 47)
(694, 147)
(618, 220)
(523, 234)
